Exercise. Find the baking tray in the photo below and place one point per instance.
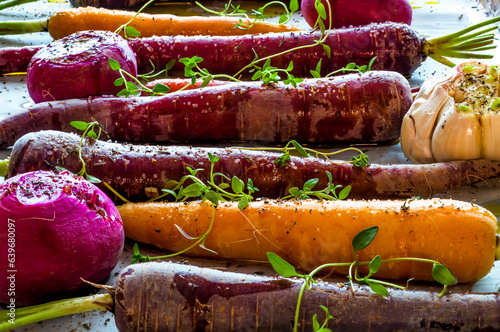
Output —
(431, 18)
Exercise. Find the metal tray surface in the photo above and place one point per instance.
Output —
(431, 18)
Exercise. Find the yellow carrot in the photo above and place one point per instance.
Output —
(310, 233)
(68, 21)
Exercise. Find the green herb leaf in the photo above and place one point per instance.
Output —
(329, 176)
(345, 192)
(137, 257)
(379, 289)
(213, 159)
(193, 190)
(160, 88)
(316, 325)
(224, 185)
(281, 266)
(212, 197)
(370, 64)
(91, 133)
(364, 238)
(327, 50)
(237, 185)
(294, 5)
(315, 74)
(299, 148)
(115, 65)
(281, 160)
(375, 265)
(250, 186)
(171, 192)
(443, 275)
(170, 64)
(294, 191)
(119, 81)
(132, 32)
(80, 125)
(243, 203)
(92, 179)
(321, 10)
(131, 86)
(309, 185)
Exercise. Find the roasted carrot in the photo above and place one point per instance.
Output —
(311, 233)
(166, 296)
(71, 20)
(130, 169)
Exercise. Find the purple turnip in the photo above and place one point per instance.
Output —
(56, 228)
(78, 66)
(345, 13)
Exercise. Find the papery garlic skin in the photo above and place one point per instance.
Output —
(419, 121)
(491, 135)
(457, 135)
(456, 118)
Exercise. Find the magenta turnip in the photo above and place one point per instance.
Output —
(78, 66)
(55, 229)
(358, 12)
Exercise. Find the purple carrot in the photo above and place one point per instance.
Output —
(396, 46)
(129, 169)
(190, 298)
(161, 296)
(352, 108)
(17, 59)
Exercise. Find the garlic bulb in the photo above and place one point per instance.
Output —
(455, 118)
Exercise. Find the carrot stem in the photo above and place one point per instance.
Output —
(13, 3)
(21, 27)
(28, 315)
(462, 44)
(4, 167)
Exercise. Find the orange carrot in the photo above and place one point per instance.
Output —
(310, 233)
(68, 21)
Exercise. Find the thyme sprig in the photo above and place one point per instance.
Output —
(191, 186)
(257, 14)
(212, 191)
(132, 88)
(88, 131)
(359, 160)
(440, 272)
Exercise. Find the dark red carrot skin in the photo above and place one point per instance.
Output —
(175, 297)
(129, 169)
(16, 59)
(354, 108)
(396, 46)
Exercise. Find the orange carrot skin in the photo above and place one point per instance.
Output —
(311, 233)
(68, 21)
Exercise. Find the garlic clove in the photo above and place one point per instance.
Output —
(491, 135)
(419, 122)
(458, 134)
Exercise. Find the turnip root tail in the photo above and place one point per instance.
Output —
(462, 44)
